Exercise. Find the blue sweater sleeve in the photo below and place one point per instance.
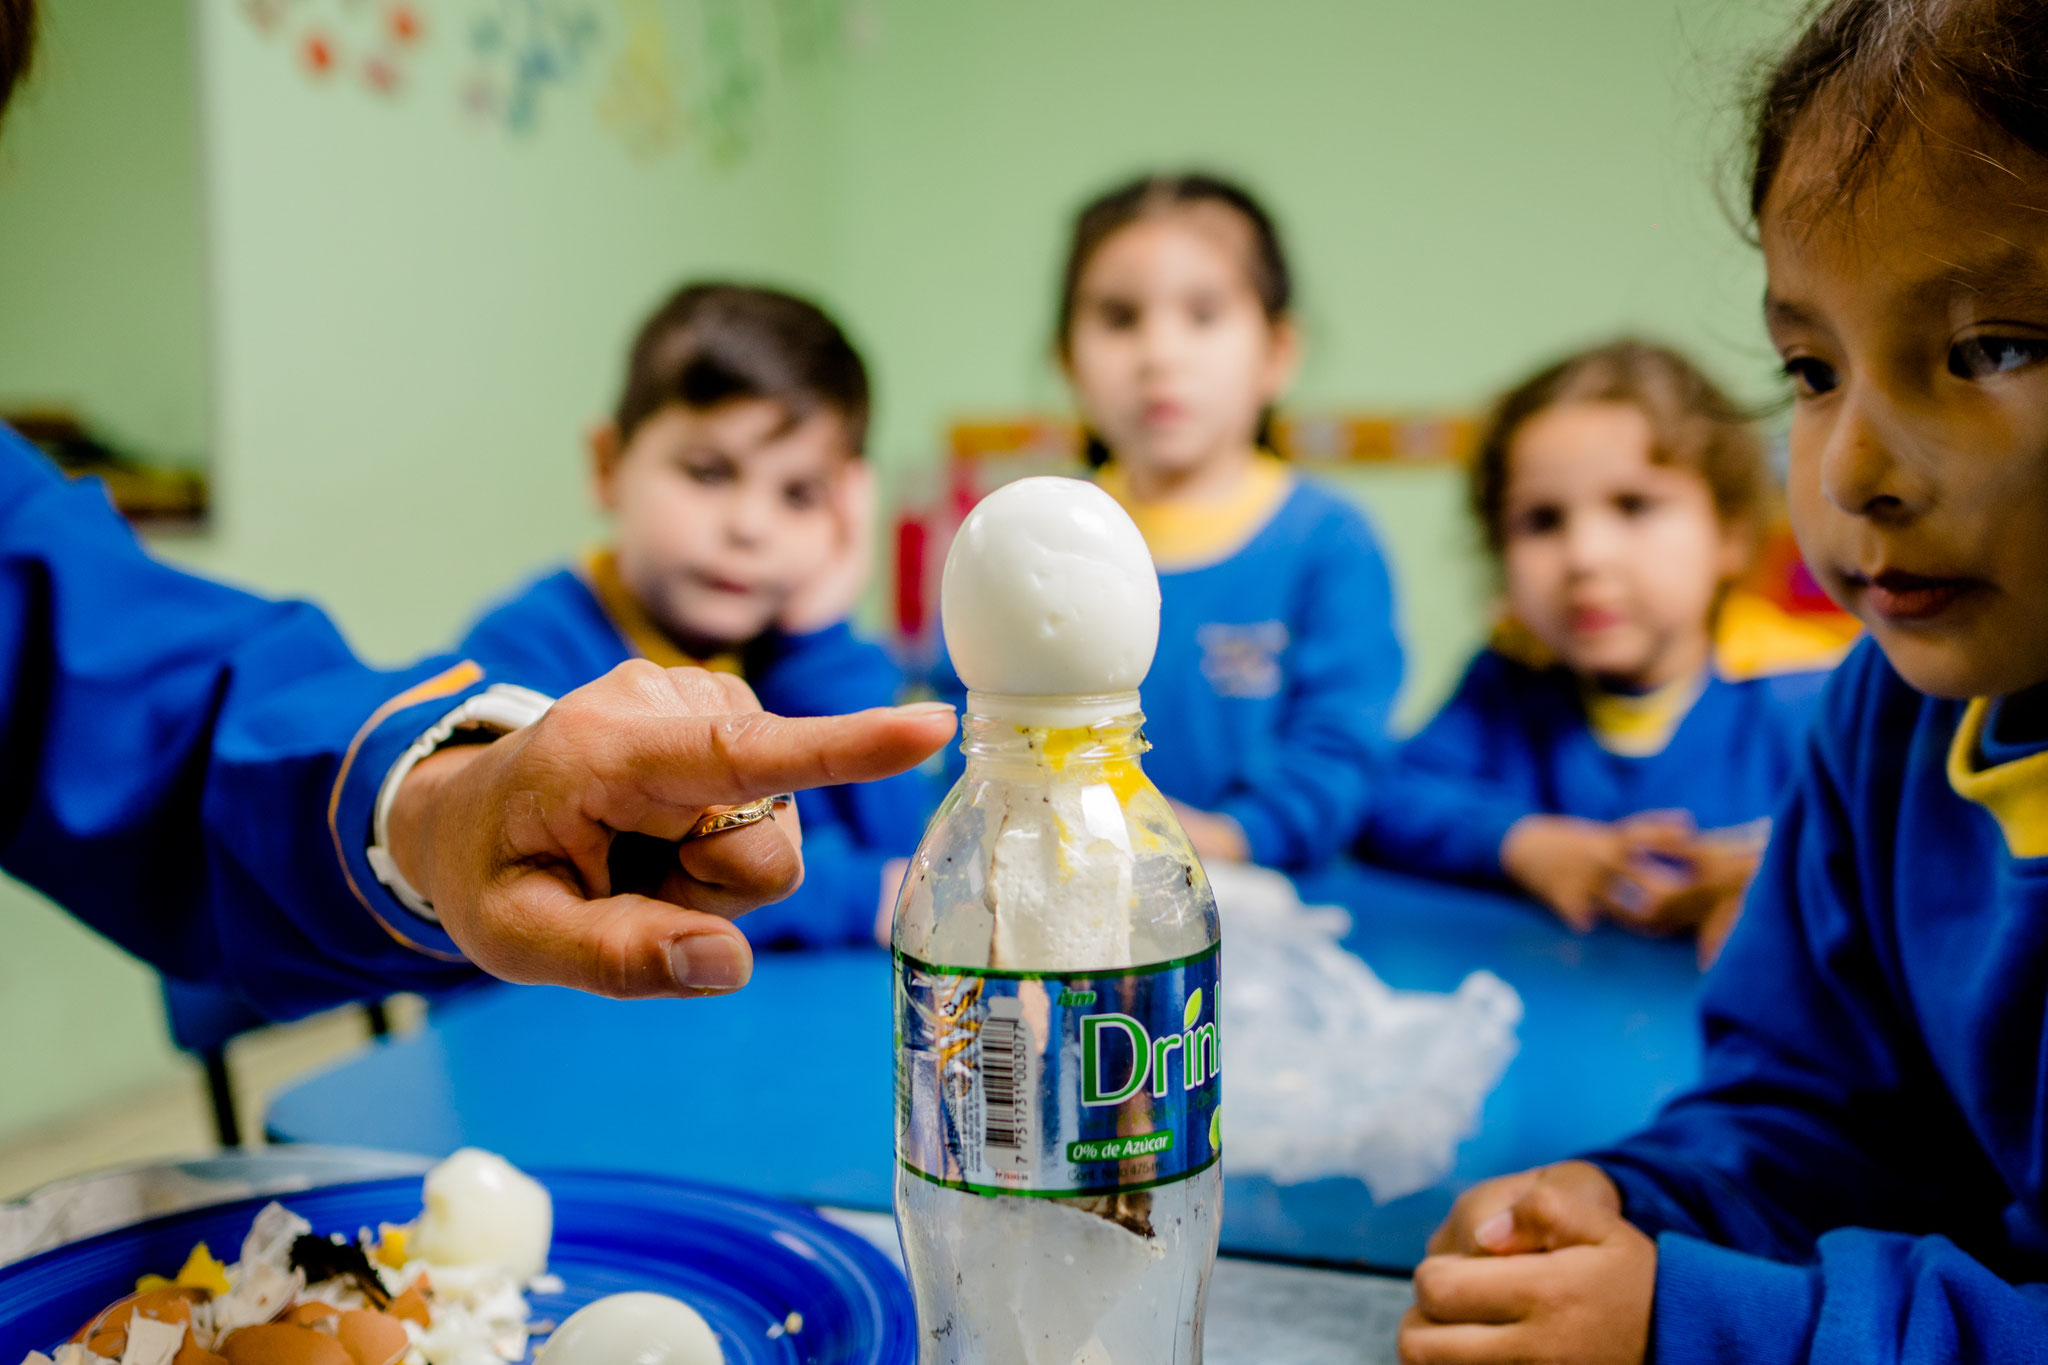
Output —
(1866, 1298)
(1304, 799)
(850, 831)
(190, 769)
(1445, 804)
(1815, 1112)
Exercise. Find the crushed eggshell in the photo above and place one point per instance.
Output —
(278, 1343)
(411, 1306)
(372, 1338)
(107, 1334)
(153, 1342)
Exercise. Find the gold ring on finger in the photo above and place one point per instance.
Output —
(737, 817)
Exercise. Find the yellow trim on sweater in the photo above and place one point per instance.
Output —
(1637, 725)
(1187, 533)
(2016, 793)
(642, 634)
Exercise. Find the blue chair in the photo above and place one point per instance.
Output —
(205, 1019)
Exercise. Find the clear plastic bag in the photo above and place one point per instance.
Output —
(1328, 1070)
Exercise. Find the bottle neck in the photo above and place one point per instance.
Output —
(1071, 738)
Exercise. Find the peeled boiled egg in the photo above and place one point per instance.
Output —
(1049, 591)
(634, 1329)
(483, 1211)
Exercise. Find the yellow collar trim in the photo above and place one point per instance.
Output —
(639, 630)
(1187, 534)
(2015, 793)
(1638, 726)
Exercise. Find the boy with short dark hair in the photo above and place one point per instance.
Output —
(731, 469)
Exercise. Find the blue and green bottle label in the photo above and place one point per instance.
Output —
(1057, 1084)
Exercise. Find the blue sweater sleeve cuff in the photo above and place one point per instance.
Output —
(1715, 1305)
(1484, 837)
(386, 734)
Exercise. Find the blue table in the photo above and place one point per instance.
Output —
(785, 1088)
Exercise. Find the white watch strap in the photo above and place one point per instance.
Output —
(502, 708)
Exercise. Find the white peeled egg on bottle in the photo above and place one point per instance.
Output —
(481, 1210)
(1049, 600)
(634, 1329)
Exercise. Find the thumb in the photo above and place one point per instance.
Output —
(539, 930)
(1545, 1218)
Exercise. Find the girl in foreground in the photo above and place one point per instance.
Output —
(1859, 1176)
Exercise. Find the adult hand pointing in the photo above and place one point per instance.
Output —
(511, 841)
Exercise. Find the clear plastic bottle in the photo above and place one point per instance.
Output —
(1058, 1192)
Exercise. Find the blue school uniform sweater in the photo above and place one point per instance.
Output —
(190, 769)
(575, 625)
(1278, 664)
(1862, 1174)
(1516, 740)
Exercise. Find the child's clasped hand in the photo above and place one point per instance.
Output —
(1653, 873)
(1538, 1266)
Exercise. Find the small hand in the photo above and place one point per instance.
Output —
(1482, 1223)
(1657, 889)
(511, 841)
(1688, 882)
(830, 595)
(1567, 863)
(1216, 838)
(1559, 1276)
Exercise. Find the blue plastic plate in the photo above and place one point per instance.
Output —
(744, 1262)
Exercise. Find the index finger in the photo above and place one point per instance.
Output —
(696, 761)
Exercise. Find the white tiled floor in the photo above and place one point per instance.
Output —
(176, 1119)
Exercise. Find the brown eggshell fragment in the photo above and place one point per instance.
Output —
(372, 1338)
(107, 1334)
(310, 1314)
(280, 1343)
(412, 1304)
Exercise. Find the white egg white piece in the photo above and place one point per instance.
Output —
(634, 1329)
(1049, 591)
(481, 1210)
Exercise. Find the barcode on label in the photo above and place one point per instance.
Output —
(1002, 1070)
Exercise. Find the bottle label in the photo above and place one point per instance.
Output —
(1057, 1083)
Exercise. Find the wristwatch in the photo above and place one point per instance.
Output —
(497, 710)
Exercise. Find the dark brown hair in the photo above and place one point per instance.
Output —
(1873, 63)
(1693, 425)
(1109, 213)
(17, 44)
(711, 343)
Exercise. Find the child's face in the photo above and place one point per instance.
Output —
(1170, 350)
(722, 513)
(1914, 323)
(1612, 560)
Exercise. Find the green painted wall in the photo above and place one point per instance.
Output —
(417, 313)
(396, 320)
(101, 296)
